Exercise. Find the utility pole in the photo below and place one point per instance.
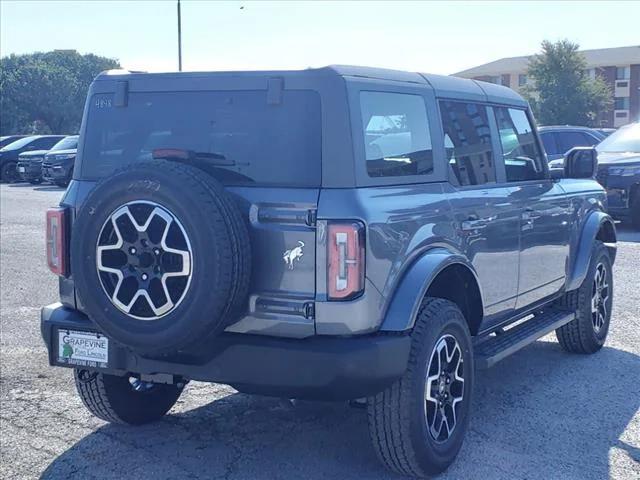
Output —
(179, 39)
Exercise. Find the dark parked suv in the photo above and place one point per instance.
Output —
(57, 166)
(619, 172)
(336, 233)
(9, 154)
(558, 140)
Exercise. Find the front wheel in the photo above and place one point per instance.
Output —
(8, 172)
(124, 400)
(418, 424)
(592, 303)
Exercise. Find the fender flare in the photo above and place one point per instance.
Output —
(580, 265)
(402, 310)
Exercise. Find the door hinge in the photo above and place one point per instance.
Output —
(309, 310)
(312, 217)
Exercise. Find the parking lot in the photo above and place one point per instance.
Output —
(541, 414)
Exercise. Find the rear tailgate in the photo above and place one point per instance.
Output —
(266, 142)
(283, 247)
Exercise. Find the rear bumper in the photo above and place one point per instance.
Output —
(322, 368)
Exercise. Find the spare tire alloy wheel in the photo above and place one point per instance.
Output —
(144, 260)
(134, 247)
(444, 388)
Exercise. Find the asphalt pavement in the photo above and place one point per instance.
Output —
(541, 413)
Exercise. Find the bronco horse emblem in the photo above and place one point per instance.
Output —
(290, 256)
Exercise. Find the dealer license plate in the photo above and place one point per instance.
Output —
(83, 348)
(21, 169)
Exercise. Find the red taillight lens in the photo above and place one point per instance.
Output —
(346, 260)
(57, 240)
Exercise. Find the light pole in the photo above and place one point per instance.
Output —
(179, 39)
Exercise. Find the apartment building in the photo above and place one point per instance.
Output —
(618, 67)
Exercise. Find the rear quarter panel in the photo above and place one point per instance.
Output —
(403, 222)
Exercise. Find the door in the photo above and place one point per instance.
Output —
(487, 222)
(542, 206)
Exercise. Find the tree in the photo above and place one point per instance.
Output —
(561, 92)
(45, 92)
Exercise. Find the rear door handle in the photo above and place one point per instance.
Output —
(475, 223)
(531, 214)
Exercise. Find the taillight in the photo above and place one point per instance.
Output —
(346, 259)
(57, 240)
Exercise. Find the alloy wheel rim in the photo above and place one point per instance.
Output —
(144, 260)
(444, 388)
(599, 298)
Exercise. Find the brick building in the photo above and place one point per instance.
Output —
(619, 67)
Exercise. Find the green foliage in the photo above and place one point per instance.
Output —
(45, 92)
(562, 93)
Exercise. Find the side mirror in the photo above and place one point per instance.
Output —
(581, 162)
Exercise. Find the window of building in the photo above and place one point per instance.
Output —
(591, 73)
(623, 73)
(522, 80)
(396, 134)
(467, 141)
(497, 79)
(522, 157)
(621, 103)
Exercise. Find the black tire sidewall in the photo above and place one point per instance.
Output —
(600, 255)
(200, 311)
(450, 320)
(6, 167)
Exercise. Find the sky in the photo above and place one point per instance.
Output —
(433, 37)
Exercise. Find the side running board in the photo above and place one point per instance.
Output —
(490, 351)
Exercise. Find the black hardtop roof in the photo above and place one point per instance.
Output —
(444, 86)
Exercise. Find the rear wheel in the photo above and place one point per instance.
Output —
(8, 172)
(418, 424)
(35, 181)
(592, 304)
(124, 400)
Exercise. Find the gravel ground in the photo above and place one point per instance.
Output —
(540, 414)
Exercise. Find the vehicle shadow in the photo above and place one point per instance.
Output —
(39, 187)
(543, 414)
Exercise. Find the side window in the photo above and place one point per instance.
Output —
(46, 143)
(549, 142)
(467, 141)
(522, 157)
(396, 134)
(568, 140)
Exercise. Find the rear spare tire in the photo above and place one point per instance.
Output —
(160, 257)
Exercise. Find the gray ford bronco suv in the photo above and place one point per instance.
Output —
(336, 233)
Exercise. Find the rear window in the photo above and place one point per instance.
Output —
(252, 140)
